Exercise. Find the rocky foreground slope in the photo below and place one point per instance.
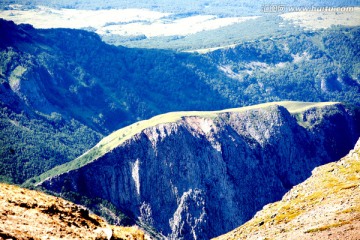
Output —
(325, 206)
(197, 175)
(26, 214)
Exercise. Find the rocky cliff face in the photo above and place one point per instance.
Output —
(325, 206)
(200, 177)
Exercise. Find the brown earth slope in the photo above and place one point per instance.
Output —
(325, 206)
(26, 214)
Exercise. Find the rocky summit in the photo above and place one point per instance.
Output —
(197, 175)
(325, 206)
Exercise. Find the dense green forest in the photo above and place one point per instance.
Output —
(316, 66)
(62, 90)
(31, 144)
(69, 74)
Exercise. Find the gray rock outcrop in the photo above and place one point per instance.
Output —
(200, 177)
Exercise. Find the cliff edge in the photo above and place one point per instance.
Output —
(325, 206)
(197, 175)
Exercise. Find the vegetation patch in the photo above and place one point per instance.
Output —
(327, 227)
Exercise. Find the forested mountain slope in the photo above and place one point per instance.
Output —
(316, 66)
(62, 89)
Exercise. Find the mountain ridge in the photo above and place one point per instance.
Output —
(180, 177)
(110, 142)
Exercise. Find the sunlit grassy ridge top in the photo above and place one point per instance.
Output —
(120, 136)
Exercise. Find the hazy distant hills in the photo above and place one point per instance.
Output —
(183, 25)
(217, 7)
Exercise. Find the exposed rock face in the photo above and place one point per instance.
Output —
(199, 177)
(325, 206)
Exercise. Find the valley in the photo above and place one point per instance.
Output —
(108, 87)
(179, 120)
